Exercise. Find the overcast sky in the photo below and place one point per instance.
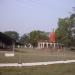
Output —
(24, 16)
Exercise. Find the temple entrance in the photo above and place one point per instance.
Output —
(48, 45)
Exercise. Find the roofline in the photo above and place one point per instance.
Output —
(7, 36)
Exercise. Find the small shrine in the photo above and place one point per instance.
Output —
(51, 43)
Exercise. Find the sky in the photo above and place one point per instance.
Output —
(24, 16)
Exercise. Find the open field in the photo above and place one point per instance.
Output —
(58, 69)
(36, 55)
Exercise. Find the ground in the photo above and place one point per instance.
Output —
(56, 69)
(36, 55)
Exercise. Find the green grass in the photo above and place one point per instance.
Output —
(57, 69)
(35, 55)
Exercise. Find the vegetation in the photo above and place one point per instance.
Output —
(12, 34)
(24, 39)
(58, 69)
(33, 37)
(36, 36)
(64, 32)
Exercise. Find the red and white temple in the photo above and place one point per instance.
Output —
(51, 43)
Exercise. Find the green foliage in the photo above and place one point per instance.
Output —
(24, 39)
(12, 34)
(36, 36)
(64, 31)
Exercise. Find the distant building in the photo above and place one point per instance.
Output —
(51, 43)
(42, 45)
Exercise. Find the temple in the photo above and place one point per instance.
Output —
(51, 43)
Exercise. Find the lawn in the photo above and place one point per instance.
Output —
(56, 69)
(36, 55)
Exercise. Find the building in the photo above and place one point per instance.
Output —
(51, 43)
(6, 42)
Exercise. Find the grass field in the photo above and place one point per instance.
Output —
(36, 55)
(58, 69)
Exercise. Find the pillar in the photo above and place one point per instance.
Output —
(47, 45)
(43, 45)
(54, 45)
(13, 46)
(39, 45)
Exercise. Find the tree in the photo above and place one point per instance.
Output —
(72, 17)
(64, 31)
(36, 36)
(12, 34)
(24, 39)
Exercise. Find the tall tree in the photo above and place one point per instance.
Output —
(72, 17)
(64, 31)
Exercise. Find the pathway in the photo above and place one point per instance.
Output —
(34, 63)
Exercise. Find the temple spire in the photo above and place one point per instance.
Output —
(52, 36)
